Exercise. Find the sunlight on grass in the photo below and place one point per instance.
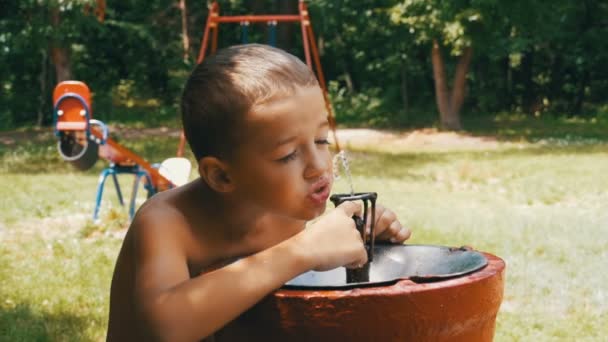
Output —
(542, 211)
(541, 208)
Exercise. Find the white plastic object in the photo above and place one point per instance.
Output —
(176, 169)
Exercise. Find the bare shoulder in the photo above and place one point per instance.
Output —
(157, 212)
(152, 259)
(160, 228)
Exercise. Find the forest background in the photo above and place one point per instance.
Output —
(396, 64)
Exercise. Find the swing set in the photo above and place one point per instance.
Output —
(309, 43)
(82, 140)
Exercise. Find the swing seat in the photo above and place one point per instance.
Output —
(176, 170)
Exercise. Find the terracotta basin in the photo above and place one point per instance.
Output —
(461, 308)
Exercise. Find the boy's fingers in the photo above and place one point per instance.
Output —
(387, 218)
(391, 231)
(351, 208)
(401, 236)
(404, 234)
(359, 263)
(377, 228)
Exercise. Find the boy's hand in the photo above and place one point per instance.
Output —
(388, 227)
(333, 240)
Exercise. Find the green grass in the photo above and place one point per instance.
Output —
(543, 210)
(554, 129)
(542, 207)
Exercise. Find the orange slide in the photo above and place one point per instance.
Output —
(83, 140)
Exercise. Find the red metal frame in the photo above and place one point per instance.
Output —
(311, 53)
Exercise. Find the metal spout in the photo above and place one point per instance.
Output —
(361, 274)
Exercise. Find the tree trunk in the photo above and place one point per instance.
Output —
(507, 98)
(529, 95)
(450, 105)
(585, 77)
(580, 95)
(285, 31)
(61, 60)
(349, 81)
(404, 94)
(185, 37)
(459, 89)
(258, 6)
(100, 10)
(59, 54)
(43, 89)
(321, 45)
(441, 87)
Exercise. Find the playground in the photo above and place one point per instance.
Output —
(538, 205)
(529, 189)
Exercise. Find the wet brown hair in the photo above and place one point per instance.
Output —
(228, 85)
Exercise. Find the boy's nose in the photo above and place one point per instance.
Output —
(317, 163)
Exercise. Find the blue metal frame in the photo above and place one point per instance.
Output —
(272, 36)
(244, 32)
(104, 130)
(114, 170)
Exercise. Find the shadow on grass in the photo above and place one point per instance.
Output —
(520, 127)
(403, 165)
(23, 323)
(35, 157)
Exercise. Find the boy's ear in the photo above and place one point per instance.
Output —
(215, 173)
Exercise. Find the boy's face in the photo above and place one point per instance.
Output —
(284, 165)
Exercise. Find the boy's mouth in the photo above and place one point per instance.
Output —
(320, 192)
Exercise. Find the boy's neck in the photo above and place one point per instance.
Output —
(244, 223)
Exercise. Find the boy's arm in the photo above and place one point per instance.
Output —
(175, 307)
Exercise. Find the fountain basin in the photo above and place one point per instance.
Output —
(420, 263)
(454, 308)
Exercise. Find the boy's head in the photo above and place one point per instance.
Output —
(256, 120)
(229, 84)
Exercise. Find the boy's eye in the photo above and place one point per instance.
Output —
(293, 155)
(289, 157)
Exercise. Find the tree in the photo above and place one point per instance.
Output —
(60, 53)
(436, 24)
(388, 61)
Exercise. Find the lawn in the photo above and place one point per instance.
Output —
(537, 200)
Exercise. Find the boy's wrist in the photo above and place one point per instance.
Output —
(300, 252)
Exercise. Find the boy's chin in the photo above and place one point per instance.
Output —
(314, 213)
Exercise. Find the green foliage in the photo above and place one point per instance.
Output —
(526, 58)
(450, 22)
(362, 108)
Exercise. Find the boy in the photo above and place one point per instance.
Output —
(255, 119)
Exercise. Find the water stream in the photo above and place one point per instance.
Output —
(340, 158)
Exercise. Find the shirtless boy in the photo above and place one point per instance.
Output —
(255, 119)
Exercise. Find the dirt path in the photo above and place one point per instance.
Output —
(385, 140)
(9, 138)
(411, 140)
